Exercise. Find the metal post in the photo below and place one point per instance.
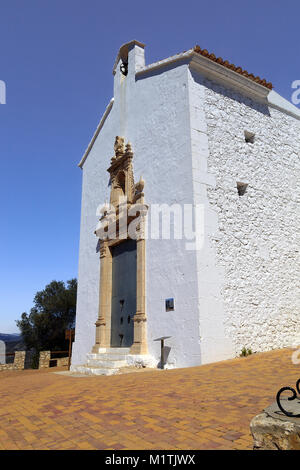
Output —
(162, 350)
(70, 348)
(162, 359)
(69, 334)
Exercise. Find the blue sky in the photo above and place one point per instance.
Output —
(56, 60)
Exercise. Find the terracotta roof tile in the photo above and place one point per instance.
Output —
(233, 67)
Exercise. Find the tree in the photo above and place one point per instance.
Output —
(43, 329)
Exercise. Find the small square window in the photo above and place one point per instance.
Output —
(241, 188)
(169, 305)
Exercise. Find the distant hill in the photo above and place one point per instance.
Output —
(10, 337)
(13, 342)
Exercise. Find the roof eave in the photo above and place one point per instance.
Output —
(213, 71)
(99, 127)
(219, 73)
(165, 62)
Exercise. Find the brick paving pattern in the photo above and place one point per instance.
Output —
(207, 407)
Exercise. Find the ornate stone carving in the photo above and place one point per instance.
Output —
(127, 199)
(121, 173)
(139, 194)
(119, 147)
(103, 249)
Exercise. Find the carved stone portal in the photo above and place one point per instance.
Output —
(126, 211)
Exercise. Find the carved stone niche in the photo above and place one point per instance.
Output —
(121, 173)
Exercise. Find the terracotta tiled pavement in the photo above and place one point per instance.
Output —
(208, 407)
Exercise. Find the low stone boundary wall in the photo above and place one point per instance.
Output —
(45, 358)
(44, 361)
(18, 364)
(62, 361)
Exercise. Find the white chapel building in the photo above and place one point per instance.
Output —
(189, 131)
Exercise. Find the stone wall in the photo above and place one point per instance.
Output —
(257, 238)
(18, 364)
(214, 343)
(62, 361)
(44, 360)
(275, 434)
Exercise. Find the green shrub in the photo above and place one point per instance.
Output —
(246, 352)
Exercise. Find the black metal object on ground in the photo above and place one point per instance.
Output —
(293, 401)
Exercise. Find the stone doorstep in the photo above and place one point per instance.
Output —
(88, 370)
(111, 358)
(109, 361)
(106, 363)
(274, 434)
(106, 357)
(122, 351)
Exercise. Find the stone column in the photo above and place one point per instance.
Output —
(103, 322)
(19, 360)
(139, 320)
(44, 360)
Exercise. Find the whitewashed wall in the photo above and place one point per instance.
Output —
(256, 239)
(215, 344)
(242, 287)
(152, 113)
